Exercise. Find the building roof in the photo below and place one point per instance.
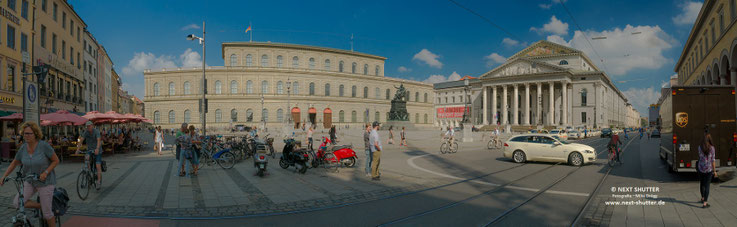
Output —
(467, 77)
(297, 47)
(452, 84)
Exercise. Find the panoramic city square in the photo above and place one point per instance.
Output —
(381, 113)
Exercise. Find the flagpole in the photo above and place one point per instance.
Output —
(249, 25)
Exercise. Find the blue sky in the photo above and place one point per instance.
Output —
(430, 40)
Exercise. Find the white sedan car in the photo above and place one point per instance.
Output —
(560, 133)
(547, 148)
(575, 134)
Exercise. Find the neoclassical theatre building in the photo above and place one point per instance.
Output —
(546, 84)
(274, 81)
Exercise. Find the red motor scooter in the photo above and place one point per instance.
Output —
(334, 155)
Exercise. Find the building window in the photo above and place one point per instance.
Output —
(721, 21)
(713, 35)
(157, 114)
(425, 99)
(376, 73)
(187, 115)
(171, 117)
(417, 97)
(233, 87)
(233, 115)
(295, 88)
(327, 89)
(353, 116)
(264, 87)
(295, 62)
(279, 61)
(43, 36)
(24, 9)
(365, 69)
(312, 88)
(171, 88)
(387, 94)
(218, 87)
(563, 62)
(264, 60)
(249, 60)
(365, 92)
(425, 121)
(64, 20)
(353, 68)
(11, 77)
(340, 66)
(280, 87)
(280, 115)
(11, 37)
(340, 90)
(54, 11)
(43, 5)
(733, 9)
(417, 118)
(341, 116)
(327, 64)
(23, 42)
(584, 93)
(265, 115)
(218, 115)
(71, 28)
(312, 63)
(377, 93)
(233, 60)
(63, 49)
(249, 87)
(11, 4)
(186, 88)
(249, 115)
(353, 91)
(377, 115)
(156, 89)
(583, 117)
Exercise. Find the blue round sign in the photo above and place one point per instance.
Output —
(32, 93)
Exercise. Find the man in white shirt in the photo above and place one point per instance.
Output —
(450, 134)
(375, 145)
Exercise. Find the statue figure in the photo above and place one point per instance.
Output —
(401, 92)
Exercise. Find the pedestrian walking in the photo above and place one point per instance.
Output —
(309, 136)
(375, 152)
(404, 140)
(706, 167)
(391, 134)
(333, 138)
(159, 140)
(41, 164)
(182, 140)
(367, 142)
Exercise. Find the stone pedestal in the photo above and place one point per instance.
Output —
(397, 125)
(467, 136)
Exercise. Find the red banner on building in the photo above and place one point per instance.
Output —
(452, 112)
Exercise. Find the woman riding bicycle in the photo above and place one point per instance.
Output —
(42, 164)
(614, 145)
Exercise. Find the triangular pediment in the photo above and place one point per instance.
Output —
(544, 48)
(522, 66)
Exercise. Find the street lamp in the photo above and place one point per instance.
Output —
(263, 118)
(466, 112)
(203, 106)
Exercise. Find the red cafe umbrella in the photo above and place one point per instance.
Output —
(63, 117)
(12, 117)
(97, 116)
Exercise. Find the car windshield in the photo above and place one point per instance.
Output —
(554, 132)
(560, 140)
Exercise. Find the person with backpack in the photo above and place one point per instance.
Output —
(706, 167)
(41, 164)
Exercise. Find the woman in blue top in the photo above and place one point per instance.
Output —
(36, 157)
(706, 167)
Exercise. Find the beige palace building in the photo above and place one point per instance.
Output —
(322, 86)
(709, 56)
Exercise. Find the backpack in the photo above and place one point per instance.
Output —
(60, 202)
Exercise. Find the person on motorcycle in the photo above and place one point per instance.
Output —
(450, 134)
(614, 144)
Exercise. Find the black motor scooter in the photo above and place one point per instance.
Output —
(293, 155)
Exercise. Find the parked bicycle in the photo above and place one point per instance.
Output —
(213, 153)
(447, 147)
(21, 218)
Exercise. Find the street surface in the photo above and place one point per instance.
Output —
(419, 187)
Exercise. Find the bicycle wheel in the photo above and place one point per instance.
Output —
(498, 144)
(83, 185)
(491, 144)
(454, 147)
(611, 158)
(226, 160)
(331, 162)
(443, 148)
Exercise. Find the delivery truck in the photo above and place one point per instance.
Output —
(686, 113)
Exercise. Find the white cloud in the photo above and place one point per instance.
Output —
(545, 6)
(190, 26)
(428, 58)
(190, 59)
(403, 69)
(555, 26)
(623, 51)
(641, 98)
(510, 42)
(689, 12)
(440, 78)
(133, 72)
(493, 59)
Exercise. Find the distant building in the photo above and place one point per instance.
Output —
(654, 111)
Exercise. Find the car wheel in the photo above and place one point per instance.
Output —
(519, 156)
(575, 159)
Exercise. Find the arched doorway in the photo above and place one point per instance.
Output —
(296, 116)
(327, 118)
(312, 115)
